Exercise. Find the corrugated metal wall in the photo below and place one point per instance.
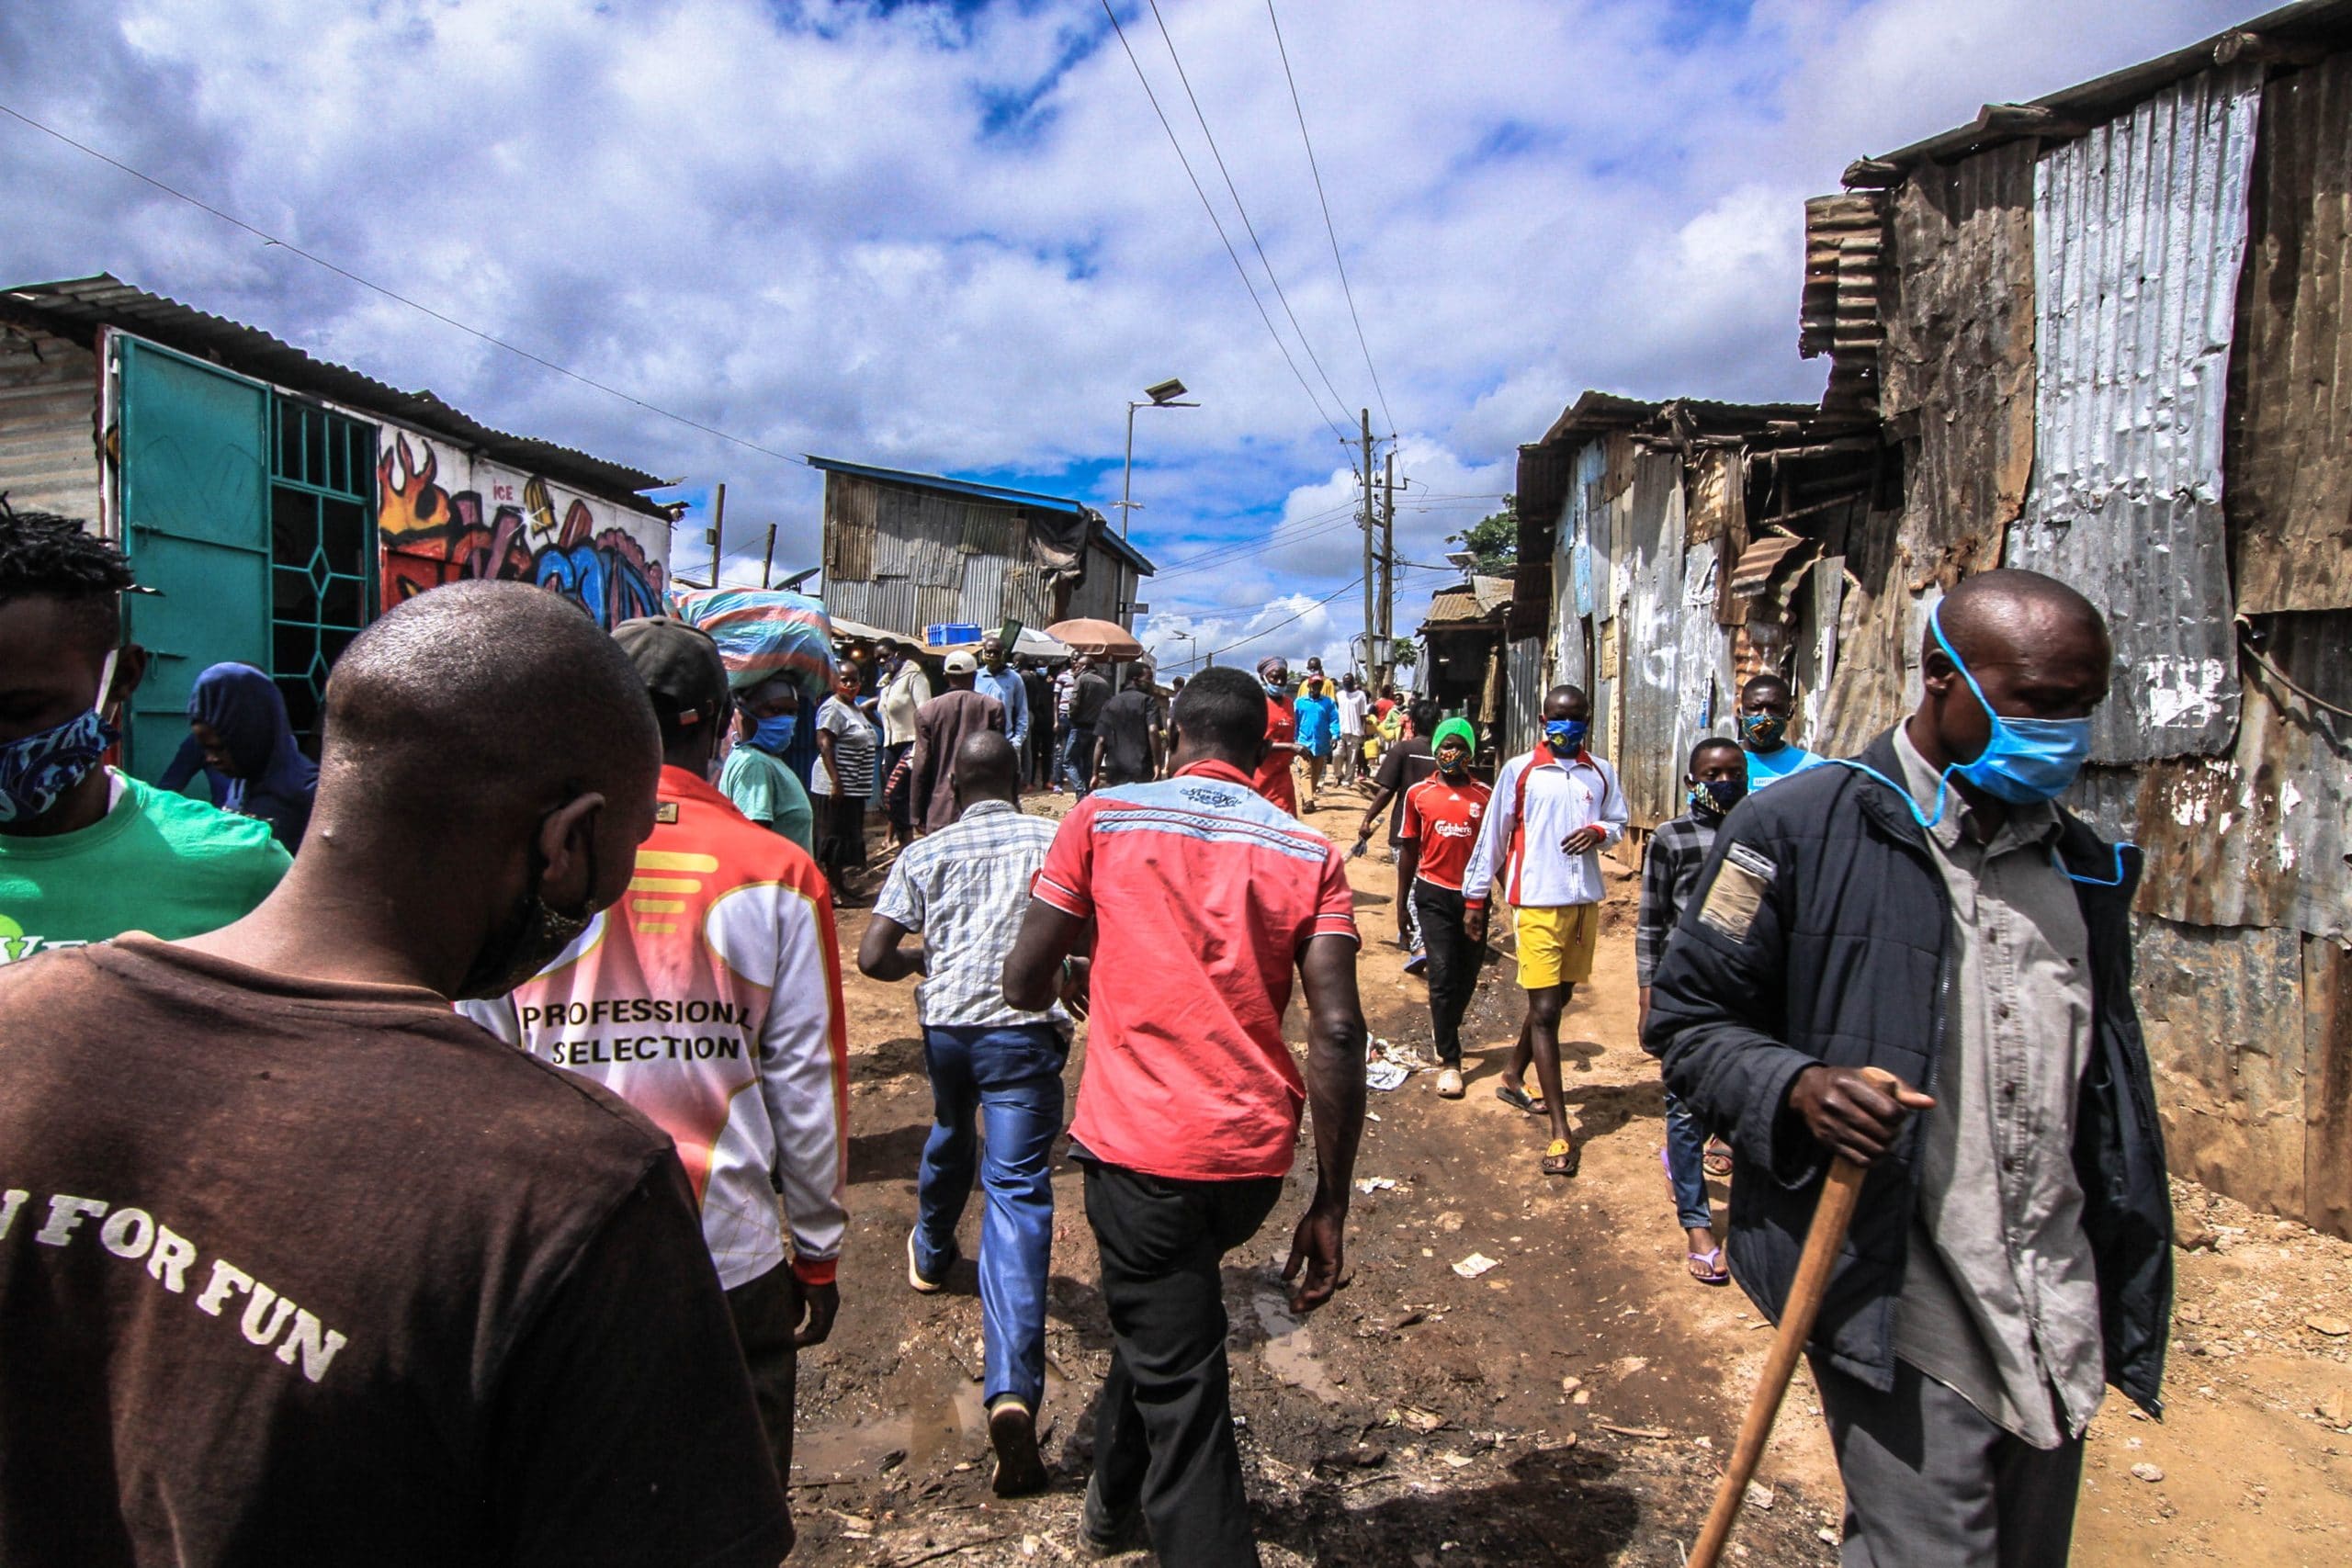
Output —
(2290, 445)
(1644, 749)
(1523, 689)
(2139, 228)
(49, 445)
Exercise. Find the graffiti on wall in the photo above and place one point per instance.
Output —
(433, 535)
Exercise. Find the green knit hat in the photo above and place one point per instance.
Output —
(1455, 729)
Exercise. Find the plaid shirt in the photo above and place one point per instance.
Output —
(1670, 868)
(965, 888)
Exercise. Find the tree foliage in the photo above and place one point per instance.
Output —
(1494, 539)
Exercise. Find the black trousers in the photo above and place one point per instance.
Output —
(1452, 972)
(767, 1311)
(1163, 1429)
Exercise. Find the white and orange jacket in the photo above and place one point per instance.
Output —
(709, 997)
(1540, 799)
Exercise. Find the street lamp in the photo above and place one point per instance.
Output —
(1162, 395)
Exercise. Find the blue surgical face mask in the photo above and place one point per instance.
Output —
(1566, 735)
(2027, 759)
(773, 735)
(36, 769)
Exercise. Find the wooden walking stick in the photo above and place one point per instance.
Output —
(1831, 1215)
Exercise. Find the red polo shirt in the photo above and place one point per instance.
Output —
(1206, 893)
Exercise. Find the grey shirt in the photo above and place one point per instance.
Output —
(2000, 1301)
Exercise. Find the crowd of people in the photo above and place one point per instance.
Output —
(471, 1103)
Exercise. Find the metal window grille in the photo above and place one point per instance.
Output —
(322, 550)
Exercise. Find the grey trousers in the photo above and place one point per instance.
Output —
(1931, 1483)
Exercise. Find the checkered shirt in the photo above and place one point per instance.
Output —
(965, 889)
(1670, 868)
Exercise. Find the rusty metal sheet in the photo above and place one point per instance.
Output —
(850, 518)
(2139, 227)
(2223, 1011)
(1718, 486)
(1524, 688)
(1703, 667)
(2290, 460)
(2327, 1086)
(1647, 763)
(1878, 643)
(1959, 360)
(2260, 837)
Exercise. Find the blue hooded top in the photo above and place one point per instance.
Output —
(275, 782)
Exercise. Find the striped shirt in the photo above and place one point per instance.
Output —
(964, 888)
(1207, 895)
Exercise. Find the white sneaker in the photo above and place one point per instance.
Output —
(1449, 1083)
(915, 1275)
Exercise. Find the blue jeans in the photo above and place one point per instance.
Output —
(1078, 761)
(1010, 1081)
(1686, 1167)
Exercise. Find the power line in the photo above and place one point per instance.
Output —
(1301, 110)
(343, 272)
(1222, 555)
(1211, 210)
(1300, 616)
(1250, 228)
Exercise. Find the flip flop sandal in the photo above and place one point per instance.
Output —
(1561, 1158)
(1713, 1259)
(1718, 1159)
(1519, 1099)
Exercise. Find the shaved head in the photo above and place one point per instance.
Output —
(2034, 646)
(481, 704)
(1994, 615)
(986, 768)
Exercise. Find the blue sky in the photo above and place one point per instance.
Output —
(955, 238)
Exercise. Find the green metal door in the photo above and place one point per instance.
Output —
(196, 523)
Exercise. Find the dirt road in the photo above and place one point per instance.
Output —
(1567, 1405)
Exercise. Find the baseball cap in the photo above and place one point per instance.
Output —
(680, 664)
(961, 664)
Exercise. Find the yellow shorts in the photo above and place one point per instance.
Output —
(1556, 945)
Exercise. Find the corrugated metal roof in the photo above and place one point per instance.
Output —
(2286, 32)
(2138, 231)
(77, 307)
(1767, 557)
(1104, 535)
(1472, 603)
(2289, 499)
(1838, 313)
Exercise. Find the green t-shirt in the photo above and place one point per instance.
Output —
(157, 862)
(765, 790)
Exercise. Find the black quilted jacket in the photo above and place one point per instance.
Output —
(1842, 960)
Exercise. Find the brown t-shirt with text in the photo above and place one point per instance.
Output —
(302, 1272)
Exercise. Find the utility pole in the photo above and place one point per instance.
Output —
(1389, 568)
(1370, 588)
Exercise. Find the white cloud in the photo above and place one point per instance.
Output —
(955, 238)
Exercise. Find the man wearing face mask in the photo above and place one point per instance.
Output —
(1765, 705)
(756, 778)
(328, 1256)
(87, 852)
(711, 1001)
(1554, 811)
(1927, 909)
(1441, 822)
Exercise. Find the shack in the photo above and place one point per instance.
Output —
(2101, 334)
(906, 550)
(1463, 639)
(276, 502)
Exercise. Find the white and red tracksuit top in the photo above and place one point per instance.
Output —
(709, 997)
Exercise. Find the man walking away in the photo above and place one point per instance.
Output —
(905, 688)
(1555, 810)
(1037, 755)
(1402, 766)
(1065, 680)
(1715, 781)
(1441, 817)
(87, 852)
(1355, 717)
(741, 932)
(842, 779)
(1765, 705)
(940, 731)
(998, 680)
(962, 890)
(1187, 1109)
(1274, 780)
(756, 779)
(1127, 734)
(346, 1279)
(1926, 908)
(1088, 694)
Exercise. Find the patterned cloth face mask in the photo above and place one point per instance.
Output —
(36, 771)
